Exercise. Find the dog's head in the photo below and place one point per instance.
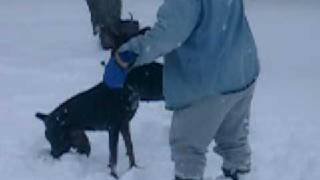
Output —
(127, 29)
(56, 134)
(60, 138)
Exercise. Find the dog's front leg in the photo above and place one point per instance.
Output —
(113, 148)
(125, 131)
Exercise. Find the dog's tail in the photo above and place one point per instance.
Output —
(41, 116)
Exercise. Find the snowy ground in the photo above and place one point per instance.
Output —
(47, 53)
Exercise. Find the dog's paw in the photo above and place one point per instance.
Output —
(114, 174)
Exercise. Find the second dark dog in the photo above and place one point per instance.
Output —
(101, 108)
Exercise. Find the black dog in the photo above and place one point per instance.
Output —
(101, 108)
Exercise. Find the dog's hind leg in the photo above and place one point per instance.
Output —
(125, 132)
(113, 148)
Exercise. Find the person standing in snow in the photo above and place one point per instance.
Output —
(210, 70)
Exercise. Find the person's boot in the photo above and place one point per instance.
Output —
(236, 175)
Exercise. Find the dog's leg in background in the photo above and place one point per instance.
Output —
(125, 132)
(114, 132)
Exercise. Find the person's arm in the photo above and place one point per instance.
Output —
(176, 19)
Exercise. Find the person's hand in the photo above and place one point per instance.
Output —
(117, 69)
(125, 59)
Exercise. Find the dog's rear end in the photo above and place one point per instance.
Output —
(147, 81)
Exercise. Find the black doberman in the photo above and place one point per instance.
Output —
(101, 108)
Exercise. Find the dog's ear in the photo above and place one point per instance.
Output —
(43, 117)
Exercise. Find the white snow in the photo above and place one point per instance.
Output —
(48, 53)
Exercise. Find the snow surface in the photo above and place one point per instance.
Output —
(48, 53)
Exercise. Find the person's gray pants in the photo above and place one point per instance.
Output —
(223, 118)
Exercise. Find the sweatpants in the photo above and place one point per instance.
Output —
(222, 118)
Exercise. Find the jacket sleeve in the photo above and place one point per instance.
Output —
(176, 19)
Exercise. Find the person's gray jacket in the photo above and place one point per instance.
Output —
(207, 46)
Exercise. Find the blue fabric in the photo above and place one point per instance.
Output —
(207, 46)
(115, 76)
